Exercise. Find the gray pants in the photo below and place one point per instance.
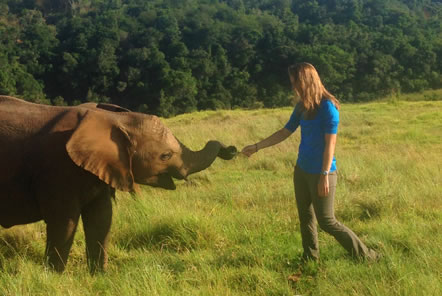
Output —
(310, 204)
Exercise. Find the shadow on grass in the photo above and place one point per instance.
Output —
(369, 209)
(363, 210)
(170, 235)
(20, 243)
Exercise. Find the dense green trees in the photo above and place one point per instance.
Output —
(172, 56)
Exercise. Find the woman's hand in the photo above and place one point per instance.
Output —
(249, 150)
(323, 187)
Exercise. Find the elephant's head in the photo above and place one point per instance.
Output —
(123, 149)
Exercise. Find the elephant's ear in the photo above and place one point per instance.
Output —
(104, 149)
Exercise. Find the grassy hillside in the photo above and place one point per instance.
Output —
(233, 229)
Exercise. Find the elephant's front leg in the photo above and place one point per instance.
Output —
(97, 219)
(61, 229)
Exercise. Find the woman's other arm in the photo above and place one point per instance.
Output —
(329, 151)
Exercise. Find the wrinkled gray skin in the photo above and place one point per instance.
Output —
(60, 163)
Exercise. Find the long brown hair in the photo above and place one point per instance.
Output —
(309, 87)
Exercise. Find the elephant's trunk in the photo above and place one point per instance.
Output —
(196, 161)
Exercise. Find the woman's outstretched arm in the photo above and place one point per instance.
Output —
(274, 139)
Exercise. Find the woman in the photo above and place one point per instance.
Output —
(315, 171)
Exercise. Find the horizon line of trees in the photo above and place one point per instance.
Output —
(167, 57)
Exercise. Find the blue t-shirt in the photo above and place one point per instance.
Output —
(313, 132)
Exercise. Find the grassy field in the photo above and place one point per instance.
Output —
(233, 229)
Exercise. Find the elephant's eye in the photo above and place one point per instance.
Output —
(166, 156)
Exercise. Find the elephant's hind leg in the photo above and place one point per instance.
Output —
(60, 235)
(97, 219)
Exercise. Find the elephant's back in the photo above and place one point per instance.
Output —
(27, 127)
(8, 103)
(20, 120)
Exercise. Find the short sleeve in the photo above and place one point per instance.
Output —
(330, 118)
(294, 120)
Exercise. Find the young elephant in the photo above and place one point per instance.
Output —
(58, 163)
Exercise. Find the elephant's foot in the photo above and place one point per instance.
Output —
(97, 218)
(60, 235)
(97, 259)
(55, 261)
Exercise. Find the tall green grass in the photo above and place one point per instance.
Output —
(233, 229)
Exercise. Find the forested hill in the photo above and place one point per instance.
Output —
(171, 56)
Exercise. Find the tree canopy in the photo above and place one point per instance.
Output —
(167, 57)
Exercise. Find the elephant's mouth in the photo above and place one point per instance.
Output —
(163, 180)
